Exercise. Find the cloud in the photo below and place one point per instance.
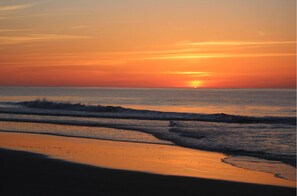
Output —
(12, 30)
(209, 56)
(233, 43)
(15, 7)
(8, 40)
(218, 49)
(59, 68)
(189, 73)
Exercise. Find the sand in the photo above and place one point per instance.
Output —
(24, 173)
(155, 159)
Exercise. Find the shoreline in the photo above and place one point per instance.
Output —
(46, 119)
(157, 159)
(57, 177)
(24, 173)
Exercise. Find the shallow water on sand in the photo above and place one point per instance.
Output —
(269, 143)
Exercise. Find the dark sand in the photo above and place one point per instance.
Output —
(24, 173)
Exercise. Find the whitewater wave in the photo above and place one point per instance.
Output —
(273, 142)
(270, 138)
(276, 168)
(44, 107)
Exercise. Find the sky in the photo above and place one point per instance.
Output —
(148, 43)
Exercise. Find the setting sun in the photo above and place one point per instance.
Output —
(148, 44)
(195, 84)
(148, 97)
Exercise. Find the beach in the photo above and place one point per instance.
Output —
(59, 147)
(170, 97)
(77, 166)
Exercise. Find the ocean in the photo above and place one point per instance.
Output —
(255, 128)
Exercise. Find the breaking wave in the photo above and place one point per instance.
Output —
(270, 138)
(71, 109)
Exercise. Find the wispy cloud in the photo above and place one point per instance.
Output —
(189, 73)
(8, 40)
(182, 52)
(209, 56)
(207, 50)
(12, 30)
(233, 43)
(15, 7)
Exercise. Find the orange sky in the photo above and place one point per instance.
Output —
(148, 43)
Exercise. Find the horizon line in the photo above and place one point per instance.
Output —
(131, 87)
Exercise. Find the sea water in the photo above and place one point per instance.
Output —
(252, 102)
(193, 118)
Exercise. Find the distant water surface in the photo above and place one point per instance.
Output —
(251, 102)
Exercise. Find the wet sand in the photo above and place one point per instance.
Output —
(48, 175)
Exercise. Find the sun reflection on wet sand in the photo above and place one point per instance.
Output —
(168, 160)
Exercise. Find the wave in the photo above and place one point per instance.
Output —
(197, 135)
(45, 107)
(276, 141)
(271, 138)
(89, 137)
(276, 168)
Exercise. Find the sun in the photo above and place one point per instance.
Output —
(195, 84)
